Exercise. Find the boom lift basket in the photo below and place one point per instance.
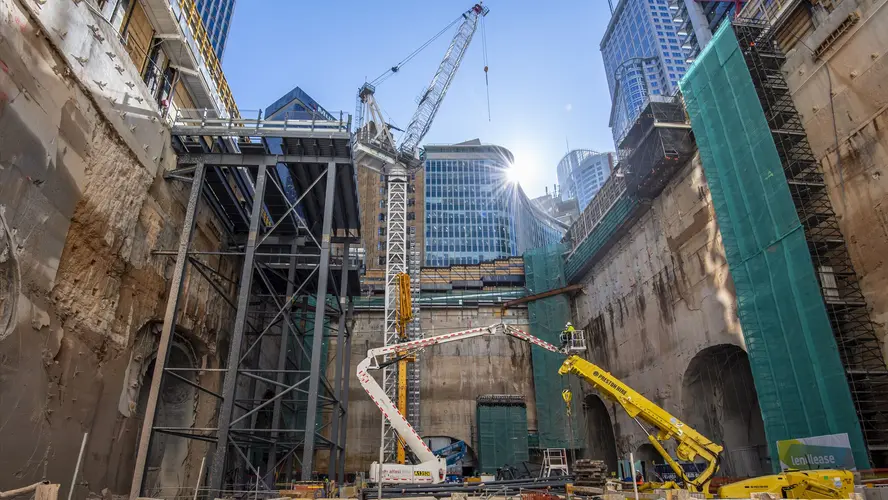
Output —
(575, 341)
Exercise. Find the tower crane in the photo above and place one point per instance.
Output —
(375, 148)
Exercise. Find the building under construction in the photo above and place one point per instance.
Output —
(185, 294)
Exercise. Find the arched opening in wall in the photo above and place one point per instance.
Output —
(719, 401)
(165, 470)
(600, 442)
(647, 458)
(9, 280)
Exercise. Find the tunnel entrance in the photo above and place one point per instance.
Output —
(600, 442)
(719, 400)
(165, 471)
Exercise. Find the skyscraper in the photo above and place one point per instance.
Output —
(216, 17)
(643, 59)
(296, 105)
(581, 173)
(473, 213)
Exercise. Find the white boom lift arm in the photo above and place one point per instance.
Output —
(431, 468)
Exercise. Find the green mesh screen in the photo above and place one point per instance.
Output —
(544, 271)
(798, 375)
(622, 211)
(502, 435)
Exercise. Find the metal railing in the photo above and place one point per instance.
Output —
(207, 118)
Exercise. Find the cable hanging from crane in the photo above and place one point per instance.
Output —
(484, 47)
(397, 67)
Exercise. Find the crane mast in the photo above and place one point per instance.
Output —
(374, 147)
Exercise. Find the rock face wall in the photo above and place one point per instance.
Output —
(842, 99)
(81, 210)
(452, 377)
(653, 303)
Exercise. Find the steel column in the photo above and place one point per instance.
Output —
(217, 470)
(340, 355)
(169, 326)
(282, 363)
(344, 400)
(317, 340)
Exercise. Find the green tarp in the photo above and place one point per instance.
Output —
(544, 271)
(502, 435)
(798, 375)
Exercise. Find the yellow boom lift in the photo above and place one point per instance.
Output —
(690, 445)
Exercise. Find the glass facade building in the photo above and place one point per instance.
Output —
(216, 17)
(643, 59)
(296, 105)
(581, 173)
(473, 213)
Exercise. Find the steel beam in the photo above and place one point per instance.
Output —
(338, 413)
(543, 295)
(282, 363)
(166, 334)
(317, 340)
(344, 401)
(237, 160)
(224, 131)
(229, 386)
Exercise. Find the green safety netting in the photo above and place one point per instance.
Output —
(544, 271)
(795, 363)
(621, 212)
(502, 435)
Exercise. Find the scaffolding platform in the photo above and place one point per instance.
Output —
(285, 196)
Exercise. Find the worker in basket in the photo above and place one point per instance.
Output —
(567, 334)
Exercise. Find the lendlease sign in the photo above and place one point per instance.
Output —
(832, 451)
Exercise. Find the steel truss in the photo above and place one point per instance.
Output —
(859, 348)
(288, 203)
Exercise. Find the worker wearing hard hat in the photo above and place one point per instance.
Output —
(567, 333)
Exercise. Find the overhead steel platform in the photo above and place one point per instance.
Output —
(285, 195)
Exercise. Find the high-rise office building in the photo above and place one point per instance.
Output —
(297, 105)
(581, 173)
(473, 212)
(696, 21)
(216, 17)
(643, 59)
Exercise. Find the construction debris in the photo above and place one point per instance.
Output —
(590, 473)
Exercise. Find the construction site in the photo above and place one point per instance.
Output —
(199, 301)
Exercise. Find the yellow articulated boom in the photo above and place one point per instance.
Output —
(691, 445)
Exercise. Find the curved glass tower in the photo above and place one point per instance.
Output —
(473, 213)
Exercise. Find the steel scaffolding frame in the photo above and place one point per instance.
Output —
(859, 347)
(286, 196)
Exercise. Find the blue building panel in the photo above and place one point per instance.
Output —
(216, 17)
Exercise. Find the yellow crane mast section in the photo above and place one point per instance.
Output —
(405, 315)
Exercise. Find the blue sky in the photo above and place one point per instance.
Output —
(547, 82)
